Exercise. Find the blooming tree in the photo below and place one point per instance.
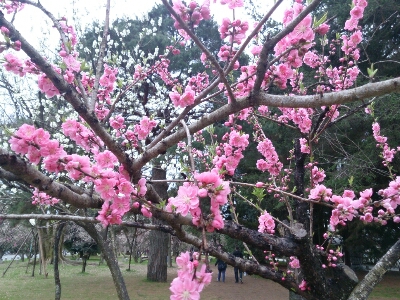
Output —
(106, 142)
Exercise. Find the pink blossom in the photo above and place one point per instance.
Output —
(183, 289)
(109, 216)
(14, 64)
(186, 99)
(146, 212)
(294, 263)
(266, 223)
(232, 4)
(357, 12)
(47, 86)
(320, 192)
(72, 63)
(106, 159)
(304, 148)
(303, 285)
(186, 199)
(238, 140)
(322, 29)
(317, 175)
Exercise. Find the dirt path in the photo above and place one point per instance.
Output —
(256, 288)
(253, 287)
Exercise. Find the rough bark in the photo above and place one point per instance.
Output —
(56, 248)
(365, 287)
(110, 258)
(158, 251)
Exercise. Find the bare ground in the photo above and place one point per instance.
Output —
(257, 288)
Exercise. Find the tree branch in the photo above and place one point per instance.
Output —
(29, 174)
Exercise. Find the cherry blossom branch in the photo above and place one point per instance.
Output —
(283, 193)
(29, 174)
(270, 44)
(262, 98)
(160, 227)
(200, 45)
(255, 31)
(52, 18)
(260, 210)
(72, 97)
(102, 53)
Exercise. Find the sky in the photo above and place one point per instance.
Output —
(32, 24)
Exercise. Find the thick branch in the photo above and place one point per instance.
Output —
(365, 287)
(313, 101)
(30, 175)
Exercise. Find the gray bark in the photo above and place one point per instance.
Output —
(57, 281)
(158, 251)
(110, 258)
(365, 287)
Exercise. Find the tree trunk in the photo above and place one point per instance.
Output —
(110, 258)
(35, 251)
(294, 296)
(56, 248)
(158, 250)
(169, 252)
(42, 253)
(365, 287)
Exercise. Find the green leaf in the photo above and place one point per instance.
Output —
(351, 179)
(320, 21)
(371, 71)
(259, 193)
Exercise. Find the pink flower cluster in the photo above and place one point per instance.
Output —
(294, 263)
(11, 6)
(356, 14)
(391, 200)
(304, 147)
(332, 258)
(387, 153)
(14, 64)
(40, 198)
(47, 86)
(235, 30)
(299, 40)
(320, 193)
(303, 286)
(81, 135)
(144, 127)
(192, 14)
(183, 99)
(140, 131)
(36, 144)
(299, 116)
(232, 4)
(266, 223)
(107, 81)
(271, 162)
(317, 175)
(229, 154)
(115, 188)
(191, 280)
(209, 185)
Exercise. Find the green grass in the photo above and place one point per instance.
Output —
(95, 283)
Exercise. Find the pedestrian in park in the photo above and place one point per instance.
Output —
(221, 269)
(238, 273)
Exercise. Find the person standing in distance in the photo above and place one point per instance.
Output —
(238, 273)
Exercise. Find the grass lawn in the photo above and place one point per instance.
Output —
(97, 284)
